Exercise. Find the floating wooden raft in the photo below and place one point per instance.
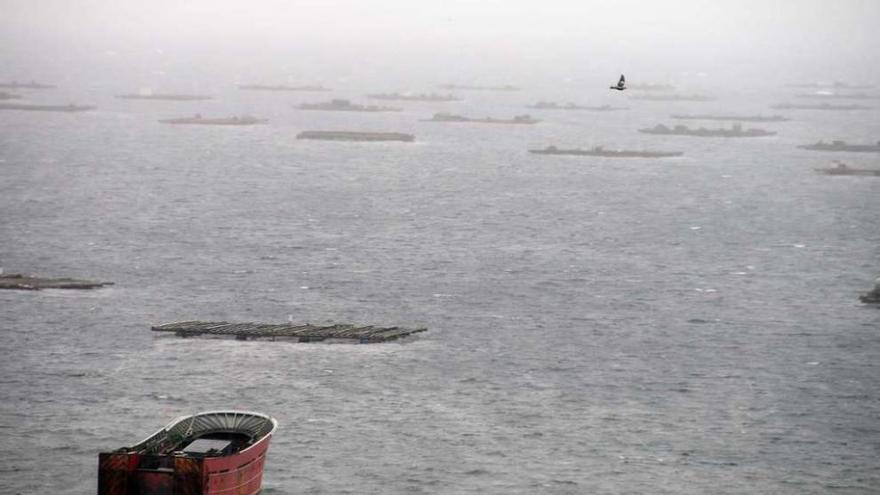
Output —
(302, 333)
(22, 282)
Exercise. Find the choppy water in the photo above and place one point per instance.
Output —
(685, 325)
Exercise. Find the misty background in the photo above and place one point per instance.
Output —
(388, 43)
(684, 325)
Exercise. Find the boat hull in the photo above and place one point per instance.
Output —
(128, 472)
(119, 474)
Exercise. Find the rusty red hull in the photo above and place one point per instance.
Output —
(132, 472)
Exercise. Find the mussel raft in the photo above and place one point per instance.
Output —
(16, 281)
(288, 331)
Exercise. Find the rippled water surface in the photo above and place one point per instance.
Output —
(685, 325)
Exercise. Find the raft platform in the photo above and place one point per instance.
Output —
(17, 281)
(287, 331)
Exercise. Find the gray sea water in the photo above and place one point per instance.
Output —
(612, 326)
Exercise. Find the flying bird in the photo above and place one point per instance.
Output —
(621, 85)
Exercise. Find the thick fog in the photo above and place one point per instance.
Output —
(393, 42)
(654, 287)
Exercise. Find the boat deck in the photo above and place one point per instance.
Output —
(301, 333)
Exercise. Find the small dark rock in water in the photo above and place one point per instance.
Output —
(698, 321)
(21, 282)
(872, 297)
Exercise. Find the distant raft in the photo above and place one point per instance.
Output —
(199, 120)
(28, 85)
(448, 117)
(281, 87)
(288, 331)
(505, 87)
(164, 96)
(829, 85)
(840, 96)
(430, 97)
(23, 282)
(734, 118)
(844, 169)
(342, 105)
(552, 105)
(652, 87)
(821, 106)
(736, 131)
(46, 108)
(602, 152)
(842, 146)
(356, 136)
(673, 97)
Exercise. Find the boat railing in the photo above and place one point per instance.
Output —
(255, 425)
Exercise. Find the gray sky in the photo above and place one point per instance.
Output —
(804, 38)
